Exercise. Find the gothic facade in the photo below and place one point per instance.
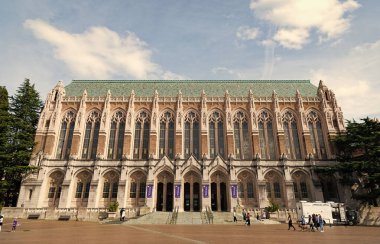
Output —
(184, 144)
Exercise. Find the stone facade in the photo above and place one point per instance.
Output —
(240, 147)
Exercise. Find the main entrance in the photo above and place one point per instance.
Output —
(164, 197)
(192, 190)
(219, 193)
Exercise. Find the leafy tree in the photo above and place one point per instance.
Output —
(25, 107)
(5, 120)
(358, 153)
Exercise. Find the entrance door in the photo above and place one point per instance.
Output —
(186, 203)
(223, 197)
(196, 203)
(169, 197)
(214, 197)
(160, 196)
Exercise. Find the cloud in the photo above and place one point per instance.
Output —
(247, 33)
(354, 79)
(299, 17)
(100, 52)
(226, 71)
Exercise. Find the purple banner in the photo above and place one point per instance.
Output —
(234, 191)
(177, 191)
(205, 191)
(149, 190)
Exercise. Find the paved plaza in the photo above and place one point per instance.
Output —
(44, 231)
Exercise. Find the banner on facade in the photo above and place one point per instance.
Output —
(234, 191)
(149, 190)
(177, 191)
(205, 191)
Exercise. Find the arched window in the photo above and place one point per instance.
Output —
(116, 142)
(266, 136)
(91, 136)
(316, 135)
(241, 136)
(83, 186)
(55, 188)
(167, 135)
(110, 186)
(216, 135)
(66, 135)
(141, 143)
(273, 186)
(292, 142)
(191, 134)
(137, 189)
(300, 187)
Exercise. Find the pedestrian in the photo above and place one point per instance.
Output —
(290, 223)
(248, 219)
(14, 224)
(321, 223)
(311, 224)
(1, 221)
(235, 219)
(303, 222)
(123, 214)
(257, 216)
(244, 215)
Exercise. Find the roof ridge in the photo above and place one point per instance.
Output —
(190, 81)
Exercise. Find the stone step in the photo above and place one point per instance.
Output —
(151, 218)
(189, 218)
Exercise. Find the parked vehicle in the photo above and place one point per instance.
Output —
(331, 212)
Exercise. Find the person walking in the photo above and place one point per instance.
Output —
(290, 223)
(235, 219)
(244, 216)
(14, 225)
(321, 223)
(311, 224)
(1, 221)
(248, 219)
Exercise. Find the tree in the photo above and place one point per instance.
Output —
(5, 120)
(358, 153)
(25, 107)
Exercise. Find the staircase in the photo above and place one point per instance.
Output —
(188, 218)
(156, 218)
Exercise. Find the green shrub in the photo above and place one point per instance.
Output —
(273, 207)
(113, 206)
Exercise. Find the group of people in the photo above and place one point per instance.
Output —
(315, 223)
(14, 223)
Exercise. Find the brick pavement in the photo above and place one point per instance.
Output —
(44, 231)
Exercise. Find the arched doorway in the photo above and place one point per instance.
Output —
(164, 197)
(192, 190)
(219, 193)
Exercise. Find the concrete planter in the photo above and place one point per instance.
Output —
(111, 215)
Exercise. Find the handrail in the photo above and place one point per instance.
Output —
(174, 216)
(209, 215)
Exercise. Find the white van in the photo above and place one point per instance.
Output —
(309, 208)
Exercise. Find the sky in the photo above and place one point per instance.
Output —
(337, 41)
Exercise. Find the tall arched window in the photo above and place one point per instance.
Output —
(216, 135)
(292, 142)
(110, 186)
(241, 136)
(167, 135)
(116, 142)
(141, 142)
(300, 186)
(82, 191)
(66, 135)
(266, 136)
(273, 186)
(316, 135)
(91, 136)
(191, 134)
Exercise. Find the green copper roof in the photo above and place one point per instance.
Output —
(191, 88)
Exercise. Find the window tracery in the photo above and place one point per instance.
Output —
(166, 145)
(191, 134)
(66, 135)
(110, 185)
(316, 135)
(266, 136)
(91, 136)
(241, 136)
(116, 141)
(292, 142)
(141, 142)
(216, 135)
